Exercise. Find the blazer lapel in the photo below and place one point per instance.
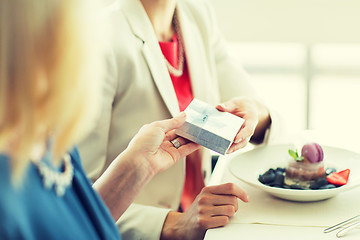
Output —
(142, 28)
(195, 55)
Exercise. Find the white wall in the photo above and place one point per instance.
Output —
(304, 59)
(307, 21)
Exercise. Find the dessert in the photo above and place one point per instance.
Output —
(304, 170)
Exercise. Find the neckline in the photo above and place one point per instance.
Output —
(58, 178)
(172, 41)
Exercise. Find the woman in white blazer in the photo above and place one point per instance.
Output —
(139, 90)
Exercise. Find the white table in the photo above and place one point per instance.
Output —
(267, 217)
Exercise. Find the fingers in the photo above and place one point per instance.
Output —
(224, 210)
(243, 137)
(230, 201)
(226, 107)
(220, 205)
(213, 222)
(182, 147)
(236, 146)
(246, 131)
(218, 199)
(171, 136)
(221, 107)
(173, 123)
(228, 189)
(240, 141)
(188, 148)
(245, 109)
(216, 204)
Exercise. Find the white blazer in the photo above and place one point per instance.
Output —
(138, 90)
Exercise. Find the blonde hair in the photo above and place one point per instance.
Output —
(50, 71)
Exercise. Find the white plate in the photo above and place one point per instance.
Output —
(249, 165)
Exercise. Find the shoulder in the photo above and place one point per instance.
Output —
(129, 28)
(120, 28)
(120, 38)
(123, 41)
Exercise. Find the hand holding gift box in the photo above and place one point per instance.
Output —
(210, 127)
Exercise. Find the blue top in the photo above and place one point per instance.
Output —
(34, 212)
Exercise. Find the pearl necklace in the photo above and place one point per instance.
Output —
(51, 177)
(173, 71)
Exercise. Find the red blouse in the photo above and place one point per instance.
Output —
(194, 179)
(182, 84)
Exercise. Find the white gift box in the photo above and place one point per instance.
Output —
(209, 127)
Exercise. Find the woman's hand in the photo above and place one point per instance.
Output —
(148, 153)
(212, 208)
(256, 116)
(153, 144)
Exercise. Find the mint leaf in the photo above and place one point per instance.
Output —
(295, 155)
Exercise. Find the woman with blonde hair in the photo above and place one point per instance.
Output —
(50, 63)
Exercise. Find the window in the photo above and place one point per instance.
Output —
(304, 59)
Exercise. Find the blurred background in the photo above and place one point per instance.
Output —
(304, 58)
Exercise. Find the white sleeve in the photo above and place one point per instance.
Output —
(142, 222)
(93, 149)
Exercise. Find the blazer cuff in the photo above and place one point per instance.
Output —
(142, 222)
(274, 132)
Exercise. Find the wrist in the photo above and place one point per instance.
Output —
(171, 230)
(136, 162)
(264, 122)
(113, 185)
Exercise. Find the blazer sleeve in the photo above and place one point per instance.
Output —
(93, 149)
(142, 222)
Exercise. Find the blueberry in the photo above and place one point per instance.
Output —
(298, 187)
(319, 183)
(271, 170)
(278, 181)
(275, 178)
(267, 177)
(328, 186)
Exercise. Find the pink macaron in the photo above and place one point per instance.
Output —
(312, 152)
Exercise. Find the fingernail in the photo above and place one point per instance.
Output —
(238, 140)
(222, 105)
